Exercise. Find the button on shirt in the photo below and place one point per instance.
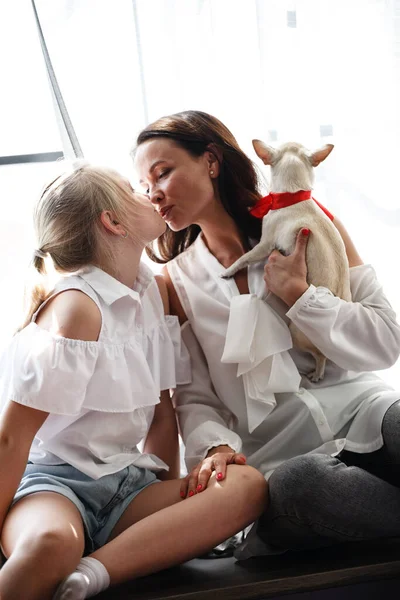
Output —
(100, 395)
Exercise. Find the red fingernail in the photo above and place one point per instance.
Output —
(191, 493)
(182, 494)
(305, 231)
(219, 476)
(199, 488)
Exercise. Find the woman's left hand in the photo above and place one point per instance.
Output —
(286, 276)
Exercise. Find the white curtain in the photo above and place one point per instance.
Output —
(308, 70)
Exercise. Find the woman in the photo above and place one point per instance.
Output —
(84, 381)
(308, 438)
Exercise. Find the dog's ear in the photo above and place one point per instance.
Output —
(321, 154)
(263, 151)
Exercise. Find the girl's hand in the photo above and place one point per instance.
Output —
(197, 481)
(286, 276)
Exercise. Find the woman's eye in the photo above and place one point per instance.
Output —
(163, 173)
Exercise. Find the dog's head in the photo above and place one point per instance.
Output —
(291, 164)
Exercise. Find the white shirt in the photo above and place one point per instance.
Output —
(249, 389)
(100, 395)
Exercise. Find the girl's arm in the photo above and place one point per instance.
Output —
(162, 439)
(18, 426)
(72, 315)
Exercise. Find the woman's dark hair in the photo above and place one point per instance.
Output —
(238, 181)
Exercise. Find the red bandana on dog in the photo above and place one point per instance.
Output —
(275, 201)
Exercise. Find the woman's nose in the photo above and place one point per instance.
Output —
(155, 196)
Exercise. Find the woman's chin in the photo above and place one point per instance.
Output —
(176, 226)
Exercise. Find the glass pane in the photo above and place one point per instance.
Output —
(20, 185)
(27, 118)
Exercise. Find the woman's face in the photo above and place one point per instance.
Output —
(179, 185)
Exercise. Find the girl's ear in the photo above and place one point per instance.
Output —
(110, 223)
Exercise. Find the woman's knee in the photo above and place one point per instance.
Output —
(302, 481)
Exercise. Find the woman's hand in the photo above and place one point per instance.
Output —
(286, 276)
(217, 460)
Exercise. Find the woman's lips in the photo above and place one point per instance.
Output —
(165, 211)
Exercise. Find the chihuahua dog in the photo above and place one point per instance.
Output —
(285, 211)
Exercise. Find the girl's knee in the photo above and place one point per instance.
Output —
(59, 547)
(249, 484)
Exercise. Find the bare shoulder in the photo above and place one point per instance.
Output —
(71, 314)
(353, 257)
(174, 302)
(162, 288)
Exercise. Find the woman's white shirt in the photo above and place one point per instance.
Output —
(100, 395)
(249, 388)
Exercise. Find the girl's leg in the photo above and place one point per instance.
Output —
(43, 539)
(159, 530)
(186, 529)
(152, 499)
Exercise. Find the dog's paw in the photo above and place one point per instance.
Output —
(314, 376)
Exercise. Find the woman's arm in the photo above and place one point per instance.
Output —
(18, 426)
(361, 335)
(353, 257)
(203, 419)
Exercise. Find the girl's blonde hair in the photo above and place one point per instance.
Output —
(68, 228)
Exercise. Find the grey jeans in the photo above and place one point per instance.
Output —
(317, 500)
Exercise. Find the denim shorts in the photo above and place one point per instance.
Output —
(101, 502)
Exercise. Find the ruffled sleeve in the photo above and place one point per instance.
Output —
(167, 354)
(65, 377)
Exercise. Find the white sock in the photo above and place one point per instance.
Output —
(90, 578)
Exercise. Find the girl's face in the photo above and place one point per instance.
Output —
(146, 223)
(178, 184)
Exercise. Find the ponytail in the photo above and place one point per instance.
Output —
(37, 290)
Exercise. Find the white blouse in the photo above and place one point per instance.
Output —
(100, 395)
(249, 388)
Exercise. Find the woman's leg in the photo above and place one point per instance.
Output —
(316, 500)
(43, 539)
(385, 462)
(391, 435)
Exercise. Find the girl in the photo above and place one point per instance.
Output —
(332, 448)
(82, 383)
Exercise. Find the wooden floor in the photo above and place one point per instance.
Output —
(353, 565)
